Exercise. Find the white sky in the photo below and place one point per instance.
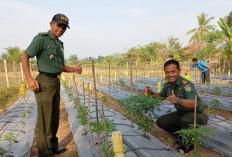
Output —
(104, 27)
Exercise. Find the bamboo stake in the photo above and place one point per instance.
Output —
(195, 121)
(21, 69)
(109, 77)
(96, 109)
(76, 91)
(6, 73)
(104, 120)
(131, 79)
(84, 105)
(90, 130)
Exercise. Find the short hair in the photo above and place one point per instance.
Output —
(194, 60)
(172, 61)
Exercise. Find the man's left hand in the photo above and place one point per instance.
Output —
(78, 69)
(173, 99)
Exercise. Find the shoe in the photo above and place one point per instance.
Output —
(59, 150)
(186, 149)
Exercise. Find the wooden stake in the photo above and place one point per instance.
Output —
(131, 79)
(109, 77)
(84, 104)
(90, 130)
(6, 73)
(96, 109)
(195, 121)
(21, 70)
(75, 89)
(104, 120)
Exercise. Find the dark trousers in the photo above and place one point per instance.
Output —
(205, 76)
(48, 106)
(177, 120)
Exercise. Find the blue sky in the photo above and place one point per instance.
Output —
(104, 27)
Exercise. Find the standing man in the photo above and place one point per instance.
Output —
(48, 50)
(204, 67)
(180, 92)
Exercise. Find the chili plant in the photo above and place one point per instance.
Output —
(105, 99)
(121, 82)
(197, 135)
(10, 137)
(141, 108)
(217, 90)
(216, 103)
(109, 126)
(230, 94)
(2, 152)
(83, 116)
(76, 101)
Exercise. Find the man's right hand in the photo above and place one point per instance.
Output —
(148, 90)
(33, 84)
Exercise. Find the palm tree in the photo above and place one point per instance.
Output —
(202, 29)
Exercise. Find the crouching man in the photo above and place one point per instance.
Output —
(180, 92)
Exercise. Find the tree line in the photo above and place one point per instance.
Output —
(206, 42)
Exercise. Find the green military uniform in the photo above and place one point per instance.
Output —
(50, 59)
(181, 118)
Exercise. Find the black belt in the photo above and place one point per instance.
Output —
(50, 74)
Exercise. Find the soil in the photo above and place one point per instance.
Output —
(64, 135)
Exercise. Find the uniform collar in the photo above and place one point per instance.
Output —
(50, 35)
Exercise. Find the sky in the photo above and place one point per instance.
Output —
(105, 27)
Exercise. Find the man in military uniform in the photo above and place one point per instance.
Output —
(180, 92)
(48, 50)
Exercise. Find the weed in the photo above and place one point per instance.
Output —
(170, 142)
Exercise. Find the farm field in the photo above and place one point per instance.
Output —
(139, 138)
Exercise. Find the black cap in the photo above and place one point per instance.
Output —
(60, 19)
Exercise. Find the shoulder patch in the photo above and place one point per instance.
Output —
(184, 82)
(187, 88)
(43, 33)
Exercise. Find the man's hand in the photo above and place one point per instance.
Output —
(78, 69)
(212, 71)
(148, 90)
(173, 99)
(33, 84)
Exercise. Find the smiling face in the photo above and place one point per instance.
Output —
(57, 29)
(172, 73)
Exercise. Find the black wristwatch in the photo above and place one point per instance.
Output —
(180, 100)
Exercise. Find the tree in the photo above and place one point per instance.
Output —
(73, 59)
(228, 20)
(203, 28)
(12, 54)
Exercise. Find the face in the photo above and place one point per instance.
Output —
(172, 73)
(57, 29)
(195, 63)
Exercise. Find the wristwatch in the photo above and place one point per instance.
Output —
(180, 100)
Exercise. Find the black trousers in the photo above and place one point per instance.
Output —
(177, 120)
(205, 76)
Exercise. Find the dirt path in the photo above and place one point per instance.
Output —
(64, 135)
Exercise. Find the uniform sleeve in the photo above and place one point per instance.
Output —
(163, 92)
(203, 63)
(192, 66)
(35, 47)
(190, 91)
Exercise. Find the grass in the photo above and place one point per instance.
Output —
(7, 95)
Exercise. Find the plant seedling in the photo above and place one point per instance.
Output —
(10, 137)
(121, 82)
(217, 90)
(230, 94)
(105, 99)
(197, 135)
(216, 104)
(109, 126)
(83, 116)
(2, 152)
